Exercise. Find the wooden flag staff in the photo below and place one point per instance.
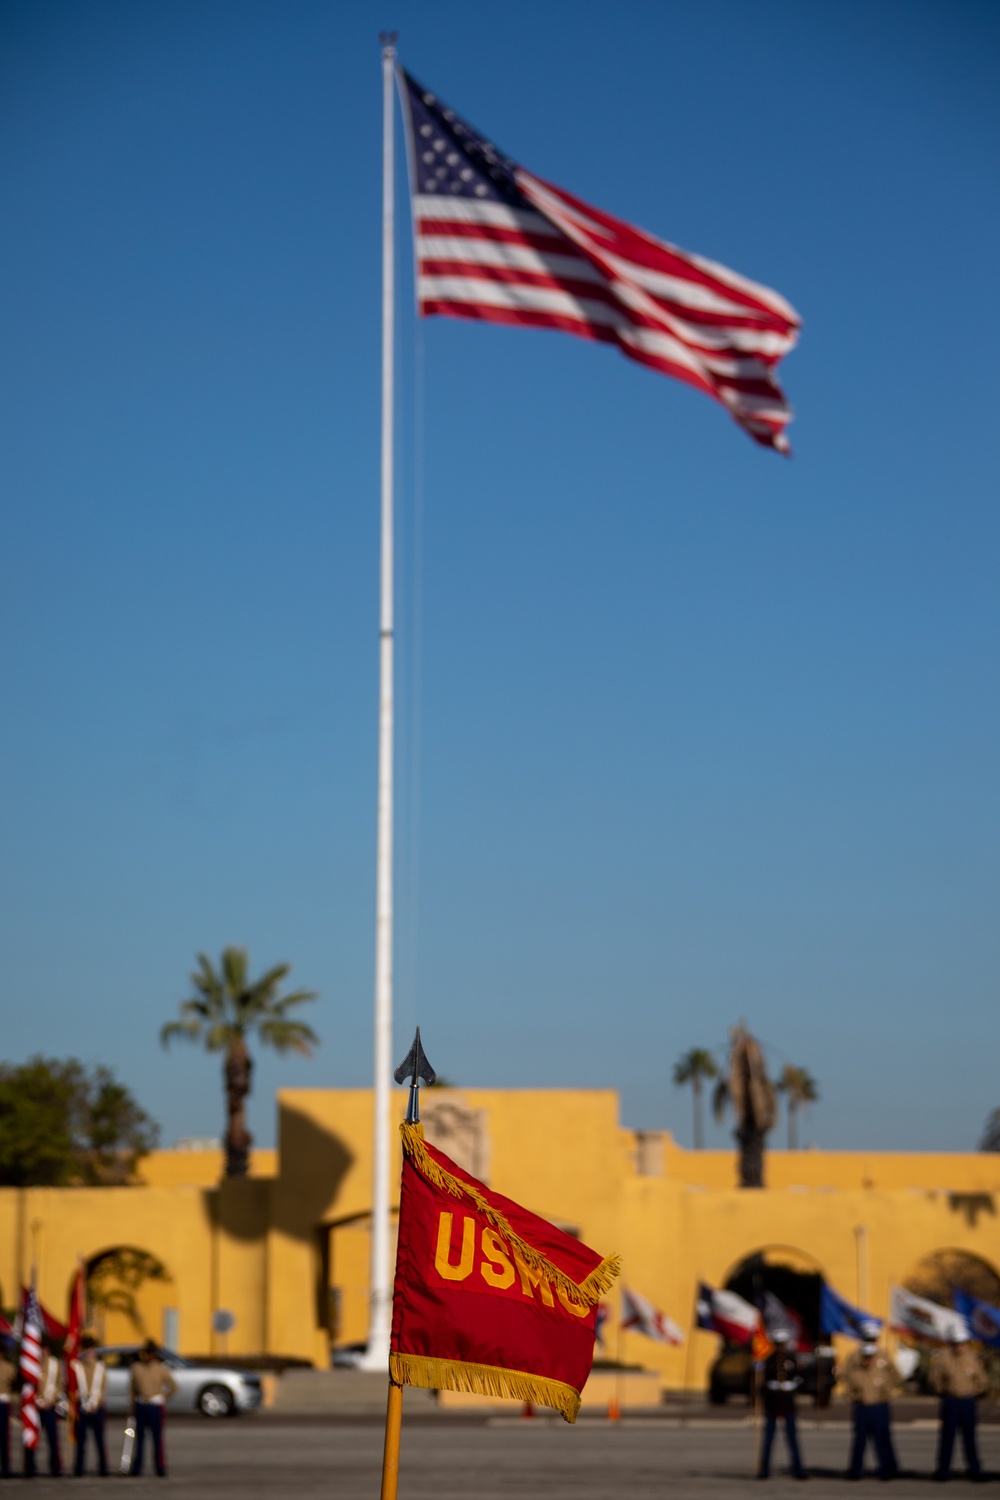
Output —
(415, 1066)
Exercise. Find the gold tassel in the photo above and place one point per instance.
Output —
(484, 1380)
(591, 1289)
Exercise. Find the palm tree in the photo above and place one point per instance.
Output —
(751, 1093)
(691, 1068)
(991, 1133)
(223, 1012)
(799, 1089)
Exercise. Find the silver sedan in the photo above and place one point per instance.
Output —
(214, 1392)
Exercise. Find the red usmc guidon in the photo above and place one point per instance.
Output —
(488, 1297)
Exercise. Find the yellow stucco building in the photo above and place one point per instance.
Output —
(285, 1251)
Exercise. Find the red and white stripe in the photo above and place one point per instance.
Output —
(30, 1367)
(565, 265)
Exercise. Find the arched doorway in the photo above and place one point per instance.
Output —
(943, 1272)
(130, 1294)
(791, 1275)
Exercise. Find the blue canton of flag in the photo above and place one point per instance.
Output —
(449, 157)
(982, 1317)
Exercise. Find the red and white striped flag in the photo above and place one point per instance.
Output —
(30, 1365)
(498, 244)
(641, 1315)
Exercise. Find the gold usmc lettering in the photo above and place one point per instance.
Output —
(497, 1263)
(442, 1264)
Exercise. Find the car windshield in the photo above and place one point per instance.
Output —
(174, 1361)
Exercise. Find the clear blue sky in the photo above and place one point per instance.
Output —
(687, 731)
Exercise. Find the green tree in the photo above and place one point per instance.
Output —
(227, 1008)
(747, 1088)
(694, 1068)
(60, 1126)
(799, 1089)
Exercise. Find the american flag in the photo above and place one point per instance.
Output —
(31, 1364)
(494, 242)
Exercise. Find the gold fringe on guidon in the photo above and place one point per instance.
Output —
(483, 1380)
(590, 1290)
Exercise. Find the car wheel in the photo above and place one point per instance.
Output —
(216, 1401)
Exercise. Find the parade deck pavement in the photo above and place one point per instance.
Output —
(476, 1458)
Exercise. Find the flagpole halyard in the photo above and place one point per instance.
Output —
(377, 1354)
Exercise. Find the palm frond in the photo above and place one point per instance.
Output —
(288, 1036)
(234, 970)
(190, 1030)
(196, 1008)
(298, 997)
(720, 1099)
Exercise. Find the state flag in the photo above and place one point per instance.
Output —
(641, 1316)
(924, 1319)
(725, 1312)
(982, 1318)
(837, 1315)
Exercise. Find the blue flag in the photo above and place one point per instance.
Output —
(837, 1315)
(982, 1317)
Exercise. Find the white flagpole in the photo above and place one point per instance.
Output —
(377, 1354)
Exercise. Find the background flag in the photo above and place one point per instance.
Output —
(726, 1313)
(50, 1324)
(30, 1364)
(488, 1297)
(603, 1314)
(779, 1321)
(909, 1313)
(496, 243)
(837, 1315)
(71, 1350)
(983, 1318)
(643, 1317)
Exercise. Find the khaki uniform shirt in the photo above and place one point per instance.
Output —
(873, 1383)
(152, 1381)
(958, 1371)
(50, 1381)
(8, 1374)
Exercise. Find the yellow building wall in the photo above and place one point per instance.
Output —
(287, 1250)
(198, 1168)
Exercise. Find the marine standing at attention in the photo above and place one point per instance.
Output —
(50, 1387)
(871, 1381)
(959, 1376)
(781, 1381)
(91, 1378)
(152, 1384)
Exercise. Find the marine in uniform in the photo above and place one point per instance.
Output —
(8, 1376)
(91, 1379)
(152, 1385)
(51, 1387)
(781, 1381)
(959, 1376)
(871, 1381)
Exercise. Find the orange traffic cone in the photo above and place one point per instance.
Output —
(614, 1411)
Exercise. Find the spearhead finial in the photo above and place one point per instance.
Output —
(414, 1066)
